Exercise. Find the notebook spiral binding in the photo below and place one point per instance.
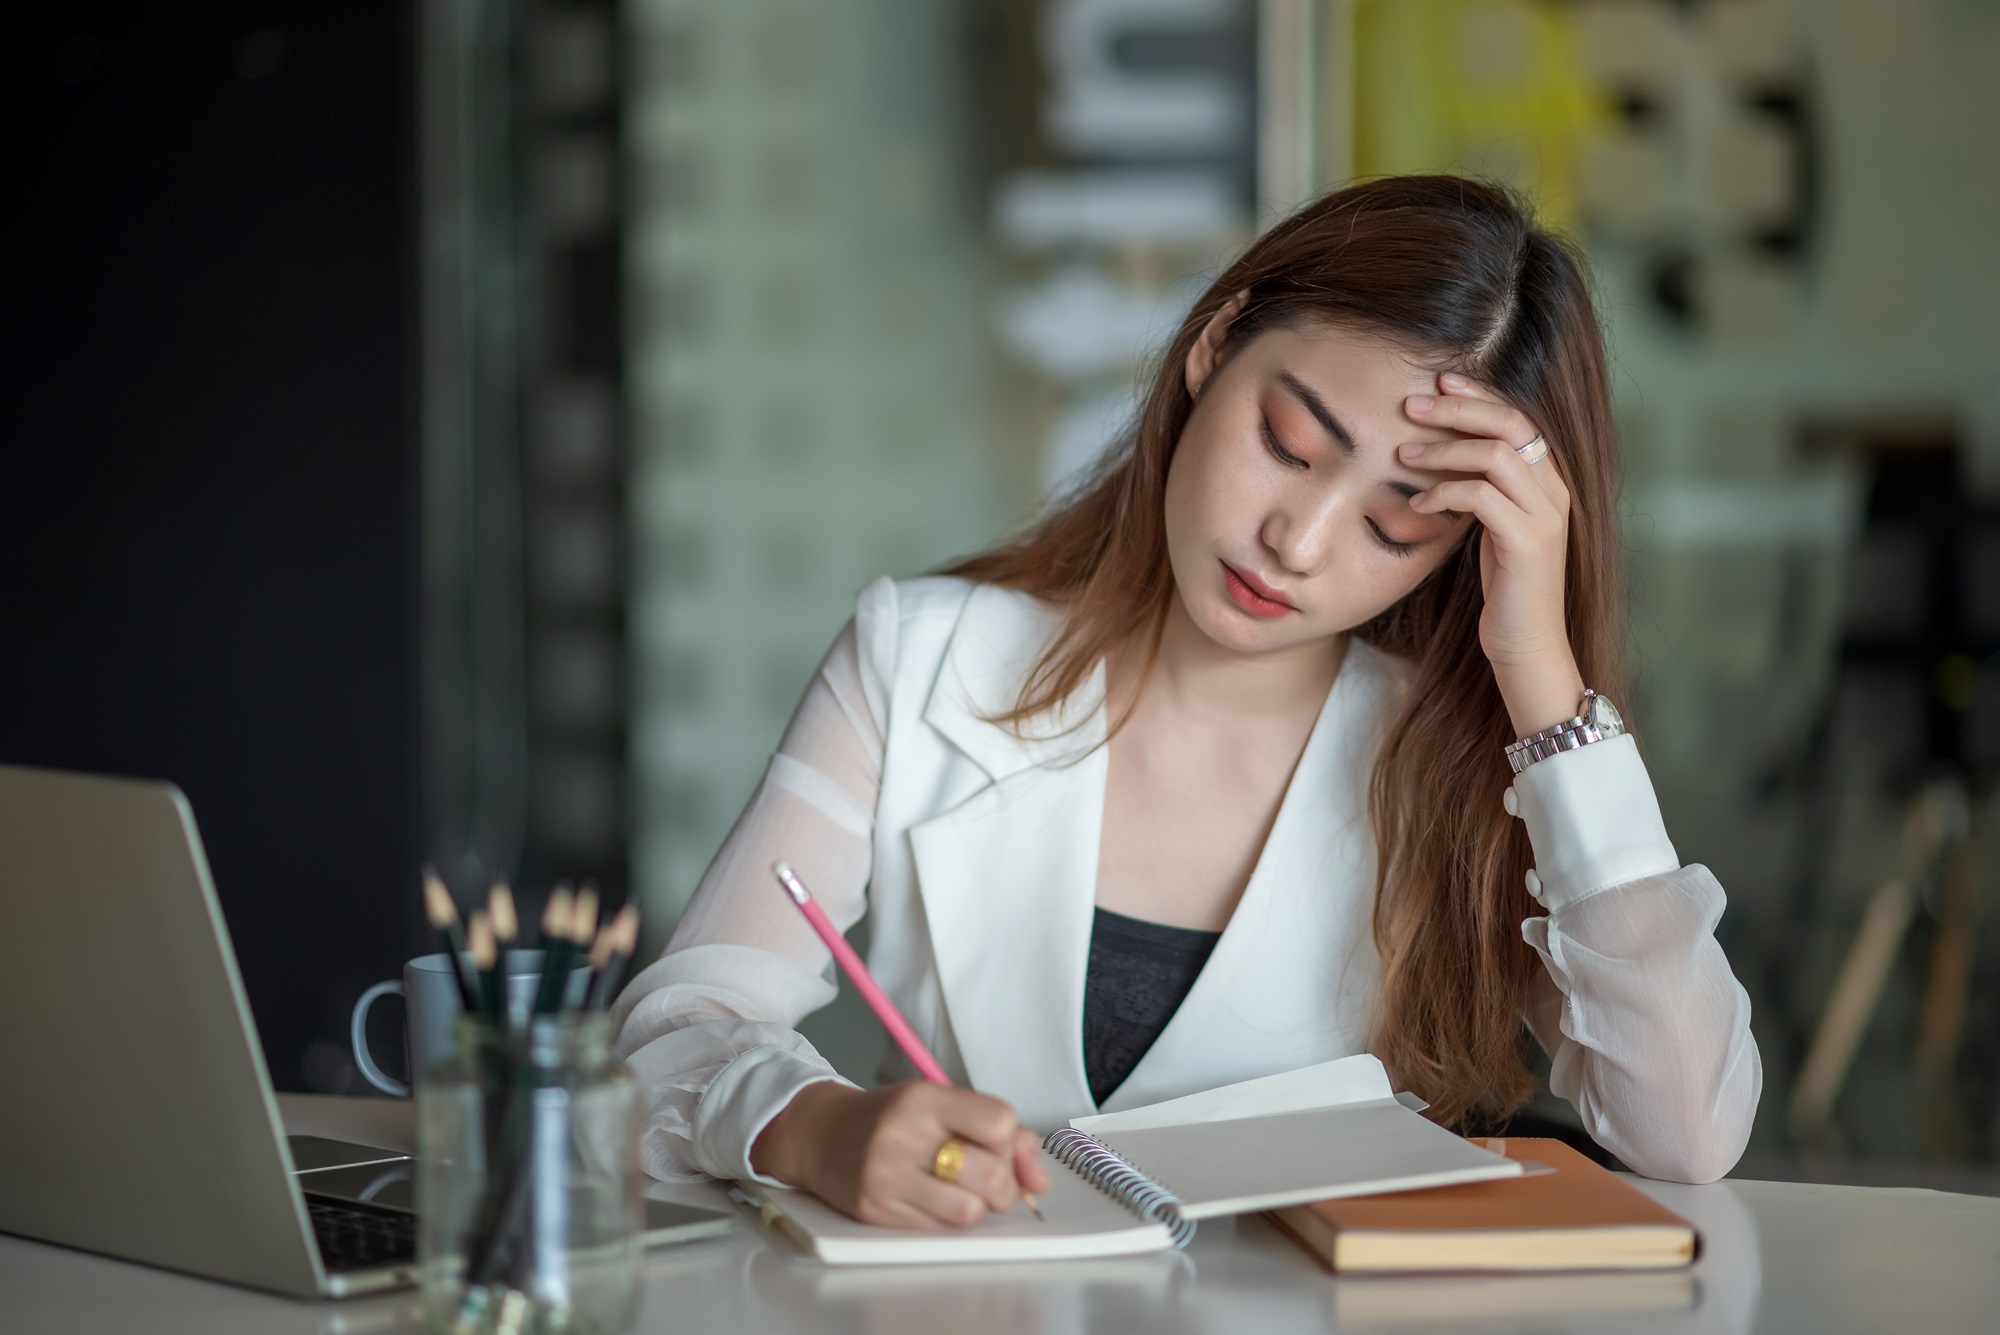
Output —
(1119, 1180)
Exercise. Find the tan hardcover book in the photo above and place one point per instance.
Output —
(1577, 1217)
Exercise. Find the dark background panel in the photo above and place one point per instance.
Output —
(208, 518)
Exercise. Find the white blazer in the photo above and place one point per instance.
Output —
(986, 850)
(979, 859)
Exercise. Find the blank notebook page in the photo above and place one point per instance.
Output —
(1356, 1079)
(1079, 1220)
(1260, 1163)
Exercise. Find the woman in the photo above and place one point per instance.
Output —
(1211, 774)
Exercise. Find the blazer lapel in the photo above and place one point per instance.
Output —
(1008, 876)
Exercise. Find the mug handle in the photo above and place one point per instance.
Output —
(358, 1031)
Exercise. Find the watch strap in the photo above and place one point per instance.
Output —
(1569, 735)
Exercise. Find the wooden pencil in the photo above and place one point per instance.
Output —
(584, 924)
(485, 956)
(599, 955)
(583, 929)
(557, 948)
(500, 907)
(487, 960)
(619, 941)
(443, 915)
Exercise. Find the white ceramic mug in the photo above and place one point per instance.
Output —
(430, 1001)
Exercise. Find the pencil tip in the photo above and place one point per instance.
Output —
(583, 914)
(557, 914)
(601, 948)
(479, 940)
(437, 900)
(500, 907)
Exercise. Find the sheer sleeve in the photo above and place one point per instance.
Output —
(708, 1029)
(1647, 1029)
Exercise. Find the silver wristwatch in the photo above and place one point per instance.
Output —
(1596, 720)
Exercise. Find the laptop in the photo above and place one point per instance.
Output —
(137, 1118)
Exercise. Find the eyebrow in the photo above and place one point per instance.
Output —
(1315, 405)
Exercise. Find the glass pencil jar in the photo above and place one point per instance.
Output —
(528, 1186)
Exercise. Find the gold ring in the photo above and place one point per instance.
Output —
(1534, 451)
(949, 1160)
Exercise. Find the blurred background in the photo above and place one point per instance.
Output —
(453, 430)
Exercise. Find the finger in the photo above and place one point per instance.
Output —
(990, 1177)
(1029, 1170)
(1472, 417)
(1453, 382)
(946, 1203)
(1549, 473)
(1495, 460)
(898, 1193)
(1476, 497)
(895, 1212)
(979, 1118)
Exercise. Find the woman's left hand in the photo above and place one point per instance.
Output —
(1524, 509)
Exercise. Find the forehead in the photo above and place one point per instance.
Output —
(1356, 363)
(1362, 376)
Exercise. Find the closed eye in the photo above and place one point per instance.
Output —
(1396, 548)
(1277, 449)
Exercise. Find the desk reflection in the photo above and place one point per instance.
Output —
(1239, 1275)
(1457, 1302)
(1831, 1271)
(1032, 1298)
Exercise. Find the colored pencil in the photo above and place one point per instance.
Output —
(871, 992)
(857, 974)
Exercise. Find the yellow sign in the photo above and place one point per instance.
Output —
(1487, 88)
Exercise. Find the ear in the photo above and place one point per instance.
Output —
(1206, 354)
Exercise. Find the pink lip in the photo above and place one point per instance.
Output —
(1253, 595)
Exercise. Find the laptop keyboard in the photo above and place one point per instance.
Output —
(361, 1237)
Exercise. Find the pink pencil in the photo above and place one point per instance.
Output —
(864, 982)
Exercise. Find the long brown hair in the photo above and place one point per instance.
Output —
(1455, 271)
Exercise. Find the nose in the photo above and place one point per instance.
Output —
(1299, 533)
(1299, 536)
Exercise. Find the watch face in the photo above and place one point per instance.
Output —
(1604, 716)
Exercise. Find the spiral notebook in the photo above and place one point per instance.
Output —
(1140, 1181)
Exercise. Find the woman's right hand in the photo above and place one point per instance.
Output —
(869, 1152)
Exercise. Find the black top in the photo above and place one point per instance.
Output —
(1139, 974)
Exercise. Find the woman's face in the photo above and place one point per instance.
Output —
(1287, 509)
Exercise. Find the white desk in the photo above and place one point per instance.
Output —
(1779, 1257)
